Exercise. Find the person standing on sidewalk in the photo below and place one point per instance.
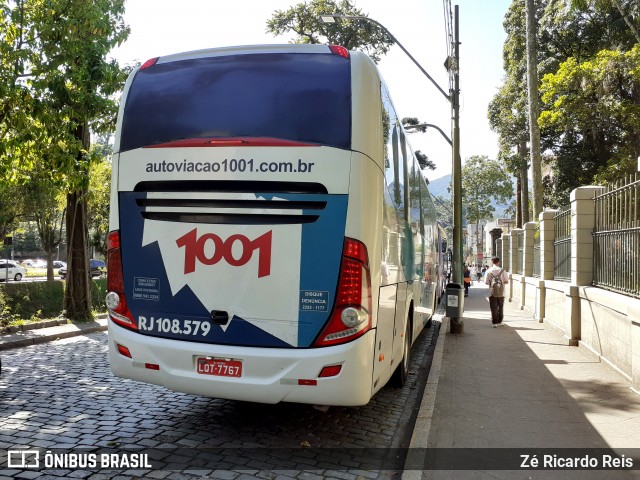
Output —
(496, 293)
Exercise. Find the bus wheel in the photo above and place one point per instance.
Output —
(401, 373)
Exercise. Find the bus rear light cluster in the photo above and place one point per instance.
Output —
(116, 300)
(351, 316)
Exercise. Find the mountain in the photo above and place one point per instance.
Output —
(439, 186)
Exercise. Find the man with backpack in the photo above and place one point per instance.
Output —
(496, 278)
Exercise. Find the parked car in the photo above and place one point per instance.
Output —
(12, 270)
(59, 264)
(97, 268)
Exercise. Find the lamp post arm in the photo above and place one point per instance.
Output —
(395, 40)
(446, 137)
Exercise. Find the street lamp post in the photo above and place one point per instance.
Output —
(453, 99)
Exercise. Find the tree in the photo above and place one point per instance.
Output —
(596, 105)
(483, 180)
(11, 207)
(76, 80)
(508, 109)
(98, 204)
(534, 109)
(630, 12)
(304, 20)
(45, 204)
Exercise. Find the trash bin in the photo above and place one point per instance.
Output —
(455, 300)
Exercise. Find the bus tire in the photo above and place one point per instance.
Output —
(401, 373)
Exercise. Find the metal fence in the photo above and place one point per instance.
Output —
(616, 237)
(562, 245)
(536, 253)
(517, 237)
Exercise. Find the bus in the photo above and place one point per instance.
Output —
(271, 236)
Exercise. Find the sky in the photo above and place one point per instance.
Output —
(161, 27)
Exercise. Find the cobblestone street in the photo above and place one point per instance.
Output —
(62, 396)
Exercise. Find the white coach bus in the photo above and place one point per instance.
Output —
(271, 236)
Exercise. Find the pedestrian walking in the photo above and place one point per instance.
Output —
(496, 278)
(467, 280)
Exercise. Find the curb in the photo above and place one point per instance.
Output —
(418, 445)
(44, 334)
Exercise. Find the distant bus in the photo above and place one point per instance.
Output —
(271, 236)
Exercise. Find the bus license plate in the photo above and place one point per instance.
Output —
(219, 367)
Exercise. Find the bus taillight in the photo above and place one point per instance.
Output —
(351, 316)
(116, 301)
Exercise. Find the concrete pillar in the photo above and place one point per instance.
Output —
(496, 233)
(547, 237)
(583, 213)
(527, 253)
(513, 251)
(505, 242)
(583, 220)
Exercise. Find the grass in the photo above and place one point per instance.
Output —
(39, 272)
(27, 302)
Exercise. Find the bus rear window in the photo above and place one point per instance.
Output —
(301, 97)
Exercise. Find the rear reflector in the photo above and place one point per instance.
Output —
(330, 371)
(123, 350)
(307, 382)
(152, 366)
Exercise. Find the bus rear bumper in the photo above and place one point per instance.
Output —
(269, 375)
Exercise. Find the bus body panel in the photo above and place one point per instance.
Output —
(269, 375)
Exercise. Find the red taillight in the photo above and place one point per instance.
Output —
(339, 50)
(116, 300)
(149, 63)
(351, 316)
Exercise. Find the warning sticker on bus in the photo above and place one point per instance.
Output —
(314, 301)
(146, 288)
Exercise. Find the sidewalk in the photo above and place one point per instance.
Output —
(47, 334)
(519, 386)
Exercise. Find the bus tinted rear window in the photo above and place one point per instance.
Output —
(301, 97)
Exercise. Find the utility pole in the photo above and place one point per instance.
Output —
(457, 277)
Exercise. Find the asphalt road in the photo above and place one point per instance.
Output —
(61, 397)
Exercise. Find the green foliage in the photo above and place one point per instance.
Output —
(484, 179)
(594, 107)
(304, 21)
(581, 148)
(98, 199)
(31, 301)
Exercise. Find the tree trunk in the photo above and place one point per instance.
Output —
(49, 266)
(518, 201)
(534, 109)
(77, 294)
(524, 181)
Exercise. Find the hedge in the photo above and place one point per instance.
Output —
(37, 300)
